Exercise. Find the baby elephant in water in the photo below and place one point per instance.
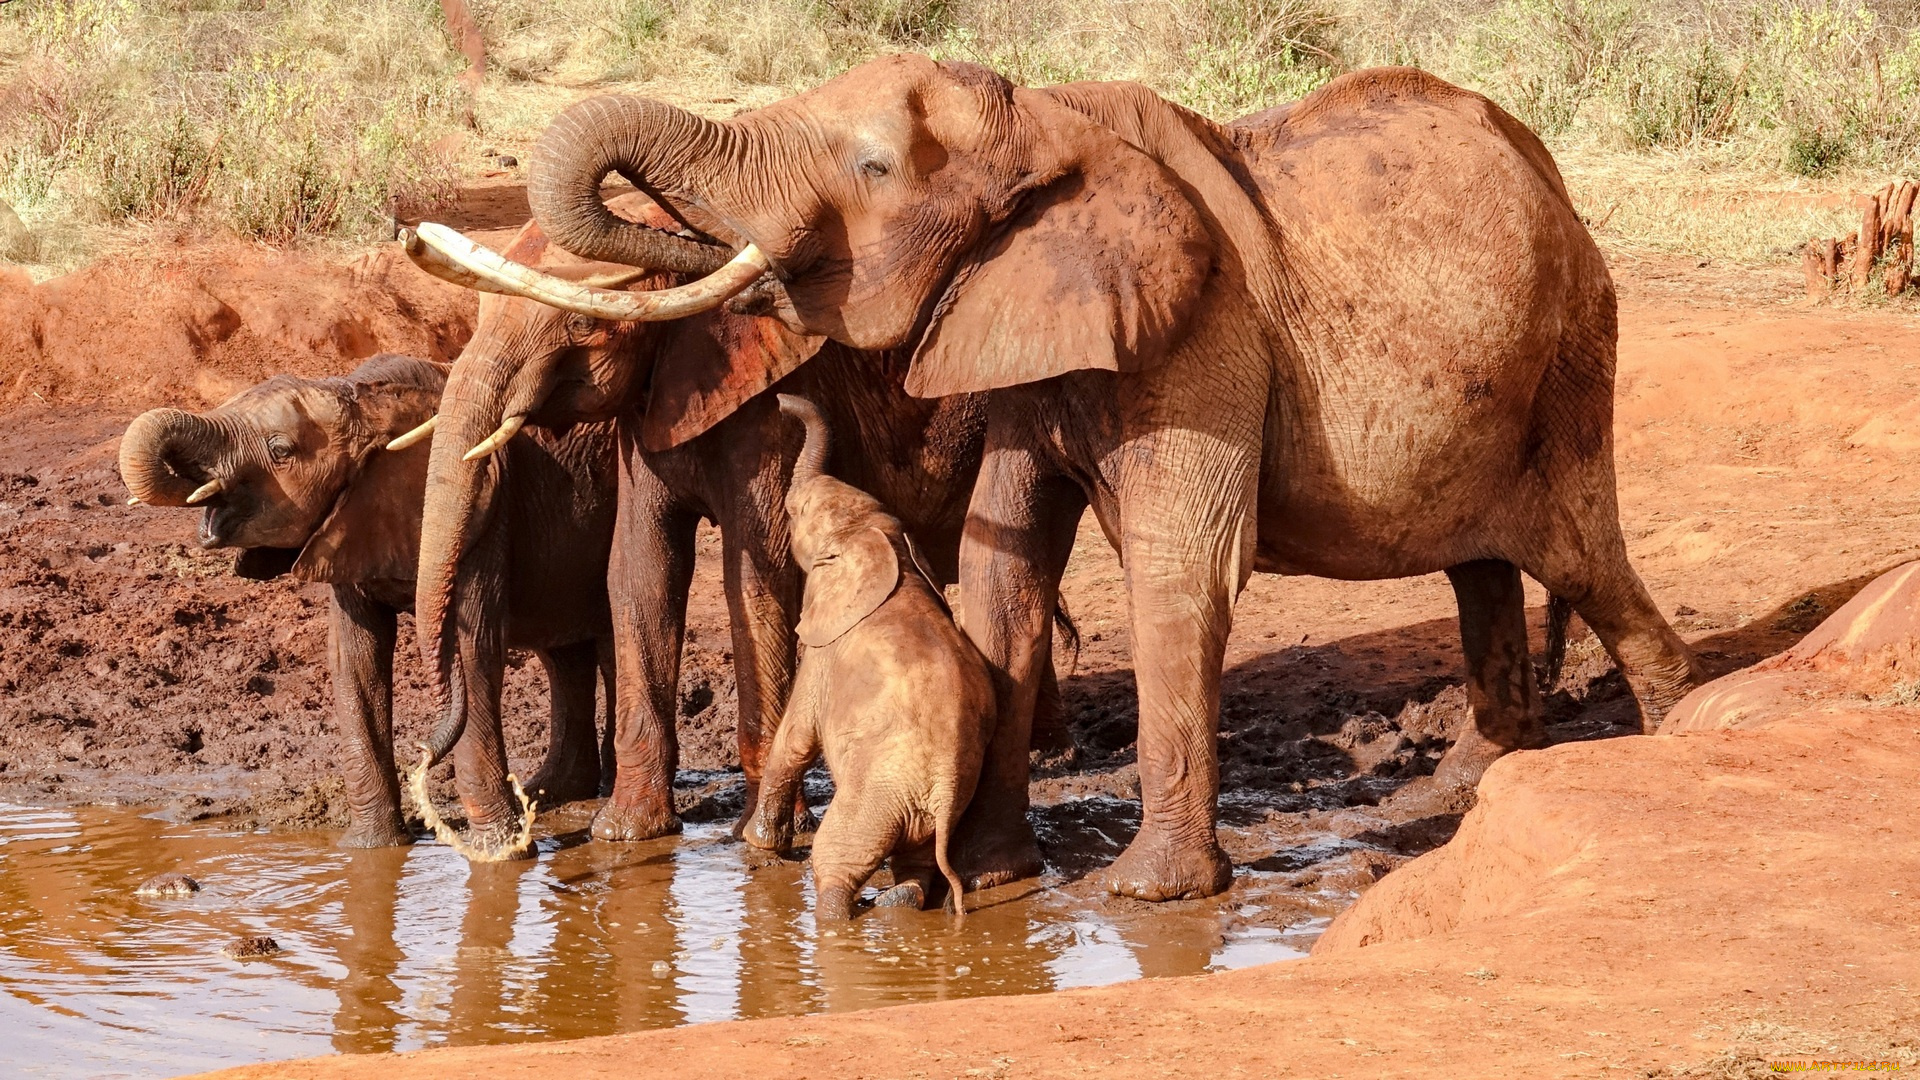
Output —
(897, 697)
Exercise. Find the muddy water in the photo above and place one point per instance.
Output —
(398, 949)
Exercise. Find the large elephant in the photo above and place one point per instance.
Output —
(1360, 336)
(697, 440)
(296, 472)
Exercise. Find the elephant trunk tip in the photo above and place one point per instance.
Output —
(812, 462)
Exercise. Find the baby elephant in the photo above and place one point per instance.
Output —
(899, 699)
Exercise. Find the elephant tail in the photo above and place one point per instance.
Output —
(943, 823)
(1559, 616)
(813, 453)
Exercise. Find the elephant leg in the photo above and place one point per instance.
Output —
(1050, 734)
(916, 878)
(1614, 603)
(572, 768)
(648, 578)
(762, 604)
(1186, 503)
(850, 845)
(1020, 530)
(480, 757)
(794, 748)
(1501, 694)
(360, 641)
(603, 651)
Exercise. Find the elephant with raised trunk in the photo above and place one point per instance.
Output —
(1362, 336)
(892, 692)
(698, 439)
(297, 473)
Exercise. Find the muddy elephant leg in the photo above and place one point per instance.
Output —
(1501, 694)
(647, 582)
(360, 641)
(850, 845)
(762, 603)
(480, 757)
(1050, 734)
(603, 651)
(793, 750)
(572, 768)
(1187, 506)
(1019, 532)
(1615, 605)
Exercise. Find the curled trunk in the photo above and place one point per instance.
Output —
(654, 146)
(812, 462)
(165, 454)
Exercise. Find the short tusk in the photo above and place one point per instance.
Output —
(415, 436)
(448, 255)
(204, 492)
(508, 429)
(133, 500)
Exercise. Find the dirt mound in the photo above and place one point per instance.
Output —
(196, 324)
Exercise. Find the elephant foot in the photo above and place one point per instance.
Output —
(801, 834)
(1469, 758)
(907, 894)
(390, 832)
(503, 841)
(632, 823)
(992, 853)
(1156, 867)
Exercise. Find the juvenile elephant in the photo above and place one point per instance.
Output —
(891, 690)
(1362, 336)
(297, 474)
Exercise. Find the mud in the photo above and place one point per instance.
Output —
(311, 950)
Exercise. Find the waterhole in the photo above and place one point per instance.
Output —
(403, 948)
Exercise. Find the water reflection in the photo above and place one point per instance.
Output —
(398, 949)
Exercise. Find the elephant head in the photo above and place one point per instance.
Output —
(1007, 234)
(295, 471)
(558, 342)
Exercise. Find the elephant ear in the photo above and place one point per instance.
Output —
(848, 581)
(709, 365)
(373, 531)
(1100, 268)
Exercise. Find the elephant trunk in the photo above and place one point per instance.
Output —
(812, 463)
(654, 145)
(166, 454)
(459, 502)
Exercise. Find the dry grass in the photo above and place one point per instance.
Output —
(1708, 127)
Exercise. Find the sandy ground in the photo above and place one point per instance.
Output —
(1765, 448)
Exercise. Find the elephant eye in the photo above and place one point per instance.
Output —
(874, 168)
(581, 326)
(280, 449)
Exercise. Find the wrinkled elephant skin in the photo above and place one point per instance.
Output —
(307, 487)
(1362, 336)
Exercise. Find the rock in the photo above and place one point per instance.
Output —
(508, 161)
(168, 885)
(17, 242)
(250, 948)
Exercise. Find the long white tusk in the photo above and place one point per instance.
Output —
(204, 492)
(450, 256)
(416, 435)
(508, 429)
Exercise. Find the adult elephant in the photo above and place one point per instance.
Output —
(696, 440)
(1361, 336)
